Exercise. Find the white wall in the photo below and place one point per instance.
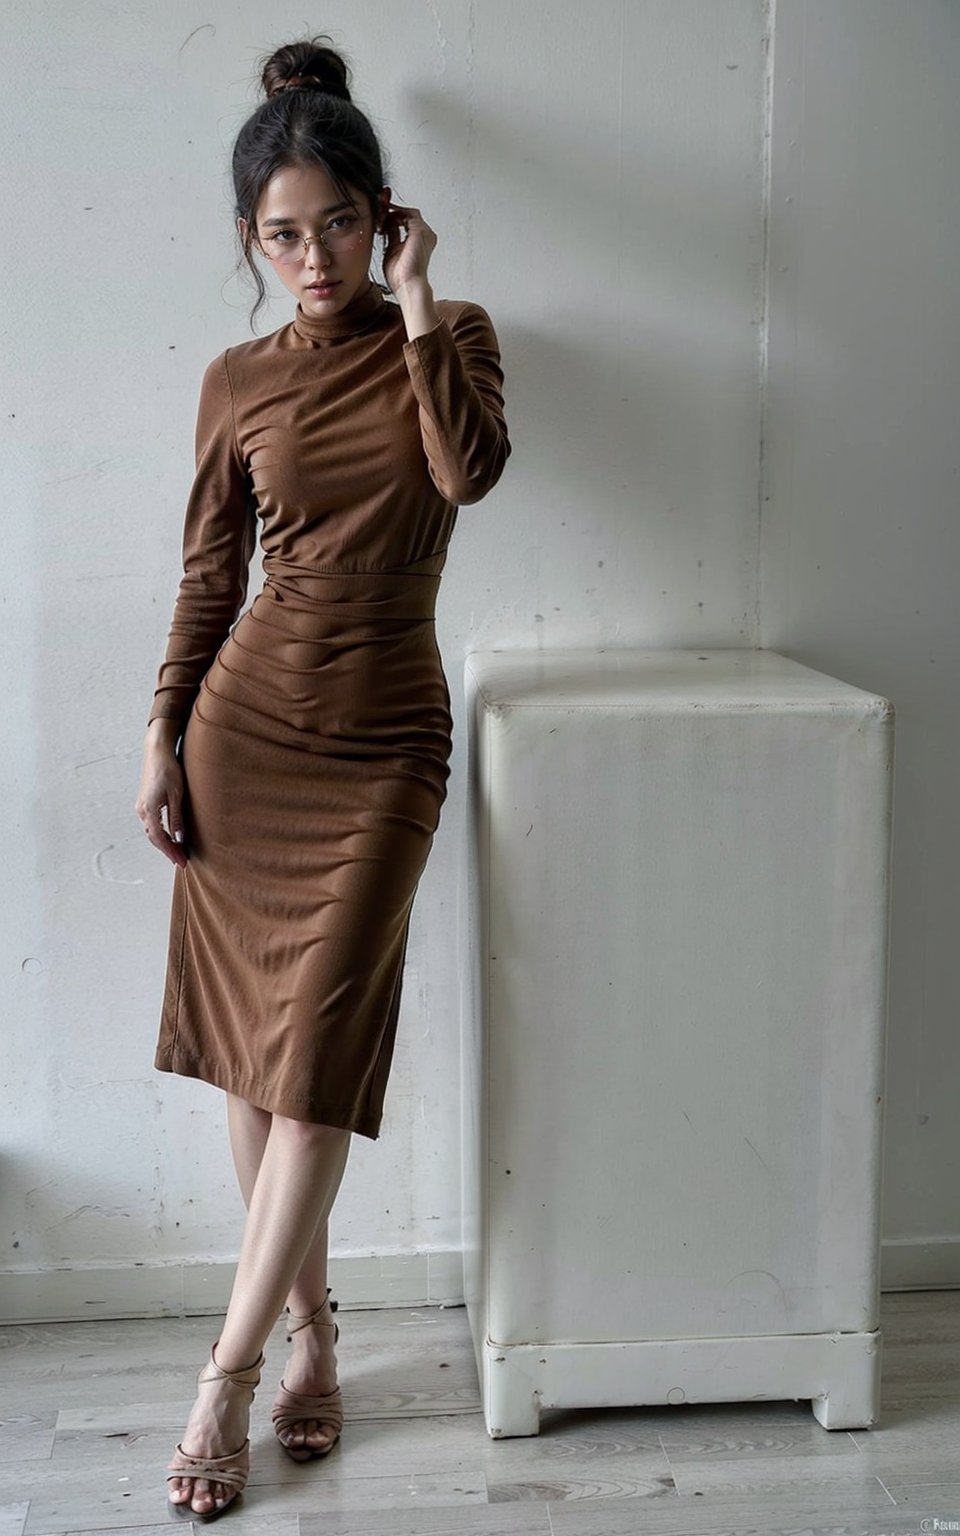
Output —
(599, 183)
(860, 532)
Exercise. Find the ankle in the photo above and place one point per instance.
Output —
(219, 1360)
(310, 1305)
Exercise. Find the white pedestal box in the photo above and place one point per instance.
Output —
(674, 919)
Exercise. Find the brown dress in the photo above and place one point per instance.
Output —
(316, 729)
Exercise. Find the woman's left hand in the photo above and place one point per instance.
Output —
(406, 260)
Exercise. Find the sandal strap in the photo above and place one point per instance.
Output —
(295, 1323)
(293, 1407)
(249, 1376)
(233, 1469)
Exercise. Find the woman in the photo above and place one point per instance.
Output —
(302, 751)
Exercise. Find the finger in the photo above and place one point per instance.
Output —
(158, 837)
(175, 852)
(152, 825)
(404, 217)
(175, 820)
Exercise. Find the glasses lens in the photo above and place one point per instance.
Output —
(343, 233)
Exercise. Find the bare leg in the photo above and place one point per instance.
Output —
(312, 1366)
(300, 1172)
(249, 1127)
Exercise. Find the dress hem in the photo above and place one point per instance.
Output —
(293, 1107)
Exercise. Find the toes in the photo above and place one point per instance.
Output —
(201, 1494)
(203, 1498)
(194, 1492)
(180, 1490)
(307, 1435)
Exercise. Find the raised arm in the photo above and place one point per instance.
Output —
(219, 537)
(457, 379)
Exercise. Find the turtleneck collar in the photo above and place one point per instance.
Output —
(356, 316)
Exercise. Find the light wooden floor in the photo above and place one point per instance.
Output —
(89, 1413)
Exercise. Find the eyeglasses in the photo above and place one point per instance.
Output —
(344, 233)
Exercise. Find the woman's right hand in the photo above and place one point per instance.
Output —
(162, 786)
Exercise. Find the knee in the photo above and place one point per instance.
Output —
(252, 1112)
(306, 1133)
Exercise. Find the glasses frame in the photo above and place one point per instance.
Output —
(305, 241)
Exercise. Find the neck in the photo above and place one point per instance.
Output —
(357, 315)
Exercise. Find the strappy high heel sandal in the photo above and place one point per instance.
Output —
(295, 1407)
(232, 1469)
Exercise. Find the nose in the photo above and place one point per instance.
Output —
(317, 253)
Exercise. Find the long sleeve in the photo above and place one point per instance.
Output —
(457, 379)
(219, 537)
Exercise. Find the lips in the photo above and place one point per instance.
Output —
(316, 287)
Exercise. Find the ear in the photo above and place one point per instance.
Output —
(382, 208)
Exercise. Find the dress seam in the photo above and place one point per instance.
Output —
(371, 570)
(179, 992)
(233, 414)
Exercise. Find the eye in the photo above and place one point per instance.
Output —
(279, 234)
(342, 221)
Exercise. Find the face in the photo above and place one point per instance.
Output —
(307, 202)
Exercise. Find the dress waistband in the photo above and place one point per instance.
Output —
(406, 592)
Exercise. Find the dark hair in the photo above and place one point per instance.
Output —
(307, 119)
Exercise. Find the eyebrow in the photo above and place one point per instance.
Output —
(323, 213)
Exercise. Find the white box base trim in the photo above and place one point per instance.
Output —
(838, 1372)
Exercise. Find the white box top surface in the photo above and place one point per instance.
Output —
(688, 679)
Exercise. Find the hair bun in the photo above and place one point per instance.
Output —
(307, 64)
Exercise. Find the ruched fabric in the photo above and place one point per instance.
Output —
(316, 760)
(317, 731)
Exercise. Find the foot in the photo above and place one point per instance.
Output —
(312, 1368)
(218, 1426)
